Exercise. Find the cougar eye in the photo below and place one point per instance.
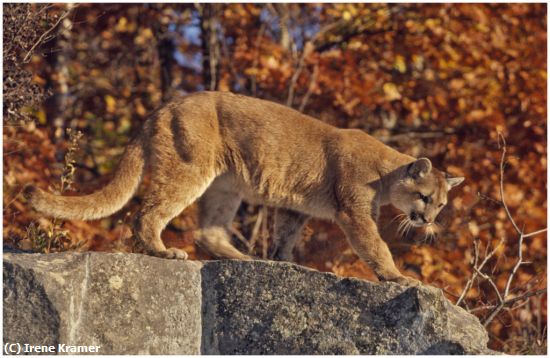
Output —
(424, 198)
(440, 205)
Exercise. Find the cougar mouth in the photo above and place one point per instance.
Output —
(418, 220)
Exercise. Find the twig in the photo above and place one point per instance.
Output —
(12, 200)
(481, 308)
(265, 232)
(493, 284)
(346, 37)
(421, 134)
(255, 231)
(516, 266)
(239, 236)
(308, 48)
(45, 34)
(312, 82)
(511, 301)
(477, 269)
(256, 57)
(503, 300)
(502, 159)
(486, 197)
(535, 233)
(538, 304)
(226, 51)
(473, 277)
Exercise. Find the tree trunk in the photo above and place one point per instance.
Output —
(209, 20)
(59, 103)
(284, 17)
(165, 48)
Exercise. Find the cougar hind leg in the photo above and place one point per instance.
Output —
(164, 201)
(217, 208)
(288, 229)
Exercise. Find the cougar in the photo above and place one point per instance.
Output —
(222, 148)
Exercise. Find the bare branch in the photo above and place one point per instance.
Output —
(525, 296)
(493, 284)
(481, 308)
(256, 57)
(45, 34)
(265, 232)
(486, 197)
(496, 310)
(239, 236)
(473, 277)
(397, 136)
(535, 233)
(308, 48)
(502, 143)
(477, 269)
(503, 301)
(517, 265)
(256, 231)
(312, 82)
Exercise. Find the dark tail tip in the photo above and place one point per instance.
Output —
(29, 191)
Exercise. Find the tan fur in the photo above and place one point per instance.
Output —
(224, 148)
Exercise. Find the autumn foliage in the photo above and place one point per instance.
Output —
(440, 81)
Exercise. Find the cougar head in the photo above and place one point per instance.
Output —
(421, 192)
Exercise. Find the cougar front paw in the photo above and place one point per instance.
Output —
(173, 253)
(406, 281)
(279, 255)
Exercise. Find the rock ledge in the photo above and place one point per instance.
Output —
(135, 304)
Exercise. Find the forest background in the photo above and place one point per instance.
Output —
(450, 82)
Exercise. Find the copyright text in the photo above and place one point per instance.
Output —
(25, 348)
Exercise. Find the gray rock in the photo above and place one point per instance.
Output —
(280, 308)
(132, 304)
(125, 303)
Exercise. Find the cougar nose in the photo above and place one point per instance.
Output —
(416, 216)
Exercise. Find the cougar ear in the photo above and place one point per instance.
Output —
(419, 168)
(452, 182)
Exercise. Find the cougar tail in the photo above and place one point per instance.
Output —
(103, 202)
